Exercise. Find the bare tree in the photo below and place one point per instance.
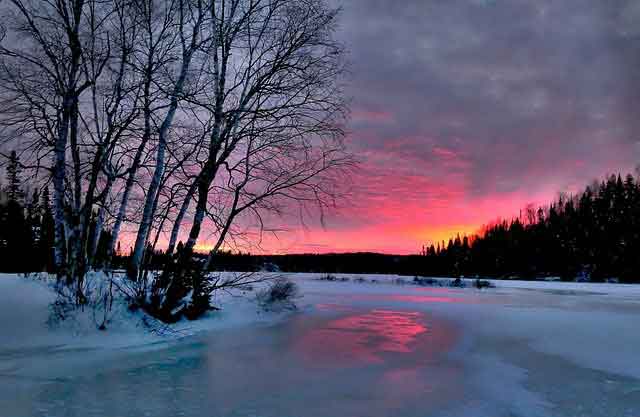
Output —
(154, 115)
(272, 92)
(42, 82)
(57, 103)
(191, 16)
(282, 87)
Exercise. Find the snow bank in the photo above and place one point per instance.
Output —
(25, 320)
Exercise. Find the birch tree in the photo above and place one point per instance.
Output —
(151, 116)
(58, 105)
(272, 92)
(42, 81)
(191, 17)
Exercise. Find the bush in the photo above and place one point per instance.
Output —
(331, 277)
(426, 282)
(281, 292)
(482, 283)
(182, 289)
(457, 283)
(328, 277)
(63, 307)
(97, 297)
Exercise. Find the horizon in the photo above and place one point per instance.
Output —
(455, 125)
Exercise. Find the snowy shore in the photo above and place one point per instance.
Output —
(25, 320)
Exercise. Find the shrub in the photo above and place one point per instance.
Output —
(457, 283)
(426, 281)
(180, 290)
(281, 292)
(331, 277)
(63, 307)
(328, 277)
(482, 283)
(97, 292)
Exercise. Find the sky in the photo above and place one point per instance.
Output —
(465, 111)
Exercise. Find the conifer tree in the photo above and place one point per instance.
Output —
(14, 188)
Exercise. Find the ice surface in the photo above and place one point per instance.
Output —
(352, 349)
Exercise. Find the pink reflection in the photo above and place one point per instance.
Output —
(368, 337)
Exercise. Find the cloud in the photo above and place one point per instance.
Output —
(494, 76)
(466, 110)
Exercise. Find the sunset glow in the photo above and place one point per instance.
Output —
(455, 126)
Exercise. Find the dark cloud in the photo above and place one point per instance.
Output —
(512, 94)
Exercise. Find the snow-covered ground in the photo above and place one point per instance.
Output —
(25, 320)
(368, 345)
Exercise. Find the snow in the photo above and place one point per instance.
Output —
(621, 290)
(372, 345)
(25, 321)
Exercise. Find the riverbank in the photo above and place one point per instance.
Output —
(32, 339)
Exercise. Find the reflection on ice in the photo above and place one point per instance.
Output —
(363, 337)
(373, 337)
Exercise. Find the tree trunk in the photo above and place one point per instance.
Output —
(124, 202)
(93, 249)
(203, 183)
(59, 168)
(149, 204)
(178, 221)
(133, 170)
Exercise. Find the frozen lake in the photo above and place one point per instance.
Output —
(364, 350)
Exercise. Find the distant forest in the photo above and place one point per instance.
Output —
(594, 235)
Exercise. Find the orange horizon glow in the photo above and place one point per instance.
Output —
(400, 226)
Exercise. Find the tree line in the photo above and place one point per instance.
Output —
(593, 235)
(347, 263)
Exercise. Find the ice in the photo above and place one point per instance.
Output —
(352, 348)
